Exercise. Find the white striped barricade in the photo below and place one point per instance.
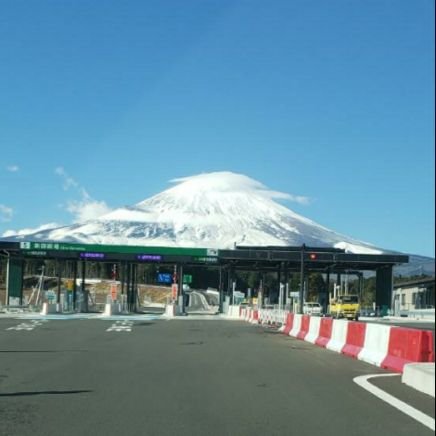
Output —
(339, 335)
(261, 315)
(242, 312)
(265, 314)
(275, 317)
(296, 326)
(376, 344)
(314, 328)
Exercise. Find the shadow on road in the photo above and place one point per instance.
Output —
(43, 351)
(23, 394)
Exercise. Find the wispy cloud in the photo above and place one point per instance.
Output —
(86, 208)
(69, 182)
(13, 168)
(6, 213)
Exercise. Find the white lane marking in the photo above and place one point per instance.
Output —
(121, 326)
(416, 414)
(130, 318)
(28, 326)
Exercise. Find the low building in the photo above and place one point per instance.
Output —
(414, 294)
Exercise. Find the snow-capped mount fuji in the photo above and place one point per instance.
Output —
(212, 210)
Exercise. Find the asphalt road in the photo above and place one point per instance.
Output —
(186, 377)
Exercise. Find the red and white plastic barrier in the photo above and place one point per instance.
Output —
(296, 325)
(381, 345)
(314, 328)
(339, 335)
(325, 332)
(376, 344)
(408, 345)
(355, 338)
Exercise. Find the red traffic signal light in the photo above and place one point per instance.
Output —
(312, 256)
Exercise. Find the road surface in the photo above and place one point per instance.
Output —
(186, 377)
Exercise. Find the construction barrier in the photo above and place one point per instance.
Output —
(380, 345)
(325, 332)
(314, 326)
(288, 324)
(355, 339)
(304, 328)
(296, 325)
(408, 345)
(339, 335)
(375, 347)
(255, 318)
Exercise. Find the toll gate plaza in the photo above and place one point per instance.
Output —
(284, 261)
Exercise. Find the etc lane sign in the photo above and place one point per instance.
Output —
(107, 252)
(141, 253)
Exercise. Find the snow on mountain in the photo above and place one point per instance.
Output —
(213, 210)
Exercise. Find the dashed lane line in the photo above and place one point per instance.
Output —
(416, 414)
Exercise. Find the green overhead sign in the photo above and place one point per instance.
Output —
(199, 253)
(187, 278)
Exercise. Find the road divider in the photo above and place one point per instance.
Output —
(325, 332)
(375, 347)
(314, 327)
(296, 326)
(408, 345)
(339, 335)
(355, 338)
(381, 345)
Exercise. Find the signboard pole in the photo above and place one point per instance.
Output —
(84, 298)
(58, 277)
(301, 298)
(181, 296)
(74, 285)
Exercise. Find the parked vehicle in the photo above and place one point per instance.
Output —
(345, 306)
(312, 309)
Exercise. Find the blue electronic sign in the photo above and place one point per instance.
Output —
(164, 278)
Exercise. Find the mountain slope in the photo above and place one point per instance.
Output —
(216, 210)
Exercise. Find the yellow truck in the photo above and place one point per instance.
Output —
(345, 306)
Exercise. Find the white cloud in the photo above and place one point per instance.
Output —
(29, 231)
(13, 168)
(224, 181)
(69, 182)
(87, 208)
(6, 213)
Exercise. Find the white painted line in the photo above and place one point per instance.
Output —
(26, 326)
(121, 326)
(416, 414)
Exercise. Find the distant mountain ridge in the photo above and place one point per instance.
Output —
(213, 210)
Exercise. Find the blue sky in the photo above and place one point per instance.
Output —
(102, 103)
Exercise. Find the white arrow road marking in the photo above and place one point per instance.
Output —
(27, 325)
(121, 326)
(416, 414)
